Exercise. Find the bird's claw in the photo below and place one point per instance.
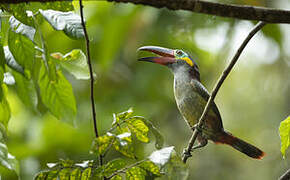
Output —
(197, 128)
(186, 153)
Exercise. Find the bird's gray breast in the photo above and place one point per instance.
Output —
(189, 102)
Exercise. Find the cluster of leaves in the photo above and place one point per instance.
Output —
(284, 131)
(27, 66)
(119, 137)
(36, 74)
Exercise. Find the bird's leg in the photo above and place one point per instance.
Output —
(202, 142)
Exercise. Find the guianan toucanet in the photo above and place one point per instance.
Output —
(191, 97)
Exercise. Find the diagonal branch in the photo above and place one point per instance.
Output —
(285, 176)
(91, 76)
(219, 83)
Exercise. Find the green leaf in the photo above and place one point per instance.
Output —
(2, 63)
(58, 5)
(52, 175)
(123, 144)
(10, 61)
(86, 175)
(151, 167)
(21, 28)
(113, 166)
(57, 93)
(22, 49)
(117, 177)
(159, 140)
(41, 175)
(75, 62)
(122, 116)
(162, 156)
(64, 174)
(26, 90)
(76, 174)
(19, 12)
(4, 107)
(284, 131)
(101, 144)
(7, 160)
(135, 173)
(126, 114)
(68, 22)
(137, 126)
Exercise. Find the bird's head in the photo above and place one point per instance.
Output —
(173, 59)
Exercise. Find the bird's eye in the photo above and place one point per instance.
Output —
(178, 52)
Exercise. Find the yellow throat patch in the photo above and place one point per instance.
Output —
(188, 61)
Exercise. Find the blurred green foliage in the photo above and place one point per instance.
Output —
(253, 100)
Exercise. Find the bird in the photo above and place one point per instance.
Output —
(191, 97)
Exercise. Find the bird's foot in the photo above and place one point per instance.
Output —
(186, 153)
(197, 128)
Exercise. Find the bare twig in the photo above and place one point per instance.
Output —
(123, 170)
(268, 15)
(226, 72)
(285, 176)
(91, 76)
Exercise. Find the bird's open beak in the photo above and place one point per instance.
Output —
(166, 56)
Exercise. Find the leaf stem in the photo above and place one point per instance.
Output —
(91, 76)
(219, 83)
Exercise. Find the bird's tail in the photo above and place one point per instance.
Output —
(240, 145)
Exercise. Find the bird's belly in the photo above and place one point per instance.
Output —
(191, 107)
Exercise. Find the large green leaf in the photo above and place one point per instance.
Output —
(21, 28)
(56, 93)
(75, 62)
(22, 49)
(68, 22)
(7, 160)
(284, 131)
(11, 62)
(26, 90)
(4, 106)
